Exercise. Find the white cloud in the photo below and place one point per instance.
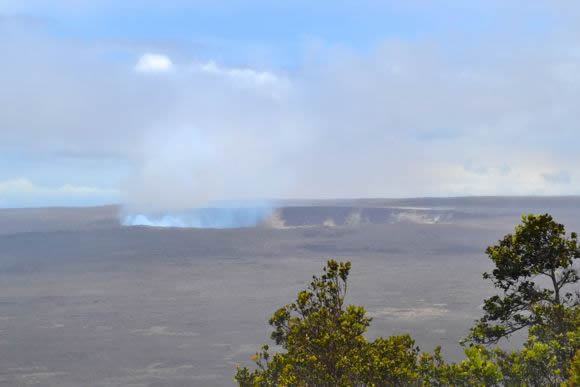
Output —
(246, 75)
(154, 63)
(402, 119)
(265, 83)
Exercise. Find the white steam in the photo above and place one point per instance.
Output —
(403, 118)
(201, 218)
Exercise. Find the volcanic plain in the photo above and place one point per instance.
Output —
(87, 302)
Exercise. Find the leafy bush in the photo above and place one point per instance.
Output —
(323, 342)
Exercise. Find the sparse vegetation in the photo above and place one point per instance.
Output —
(323, 342)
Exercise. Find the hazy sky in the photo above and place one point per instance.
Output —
(174, 105)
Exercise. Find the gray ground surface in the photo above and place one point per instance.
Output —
(84, 302)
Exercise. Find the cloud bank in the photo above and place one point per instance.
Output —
(404, 118)
(29, 194)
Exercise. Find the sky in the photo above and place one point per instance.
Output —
(178, 104)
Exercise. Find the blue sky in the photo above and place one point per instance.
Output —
(181, 103)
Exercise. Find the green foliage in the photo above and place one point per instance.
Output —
(478, 369)
(538, 248)
(574, 379)
(323, 342)
(545, 358)
(393, 360)
(435, 372)
(321, 337)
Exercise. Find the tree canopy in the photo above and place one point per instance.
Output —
(321, 339)
(539, 249)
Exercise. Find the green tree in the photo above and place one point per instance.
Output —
(539, 250)
(324, 343)
(546, 357)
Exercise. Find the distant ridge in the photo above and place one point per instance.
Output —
(312, 212)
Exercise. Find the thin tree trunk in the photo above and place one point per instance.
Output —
(556, 288)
